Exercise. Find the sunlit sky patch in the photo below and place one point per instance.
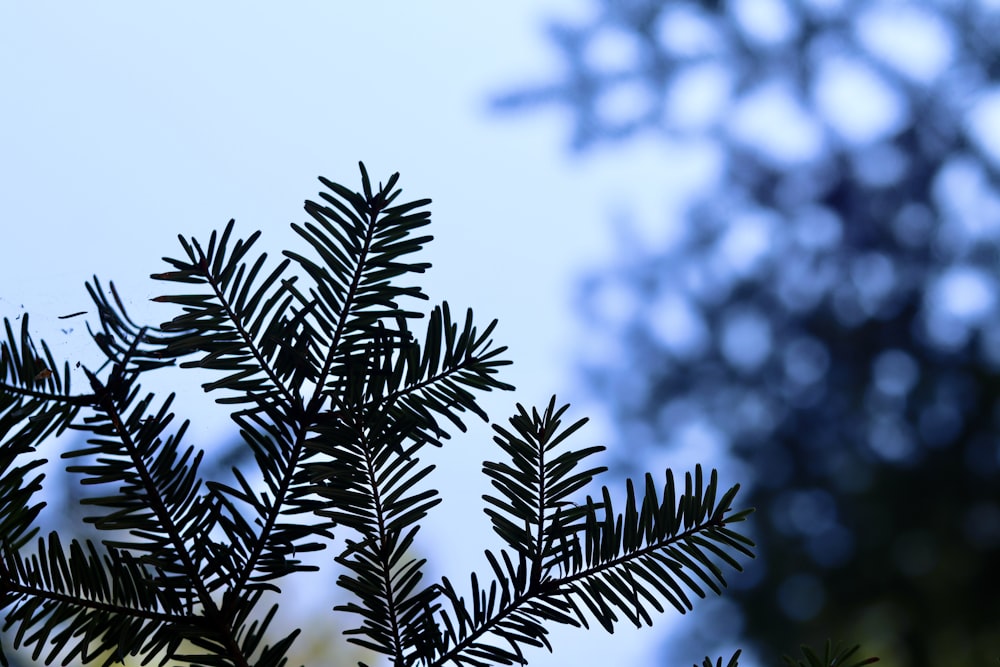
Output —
(983, 123)
(774, 122)
(857, 102)
(909, 37)
(769, 22)
(611, 50)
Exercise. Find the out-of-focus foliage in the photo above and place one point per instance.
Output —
(828, 317)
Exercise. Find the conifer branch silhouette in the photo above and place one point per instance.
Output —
(335, 396)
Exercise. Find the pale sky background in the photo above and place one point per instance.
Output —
(125, 124)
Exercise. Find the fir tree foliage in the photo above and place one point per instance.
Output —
(335, 395)
(833, 654)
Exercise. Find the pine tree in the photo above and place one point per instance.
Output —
(335, 397)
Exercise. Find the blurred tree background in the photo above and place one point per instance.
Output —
(825, 316)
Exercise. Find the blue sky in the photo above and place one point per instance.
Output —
(125, 124)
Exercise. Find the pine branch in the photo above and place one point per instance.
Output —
(574, 562)
(104, 598)
(535, 489)
(269, 553)
(369, 478)
(230, 324)
(35, 397)
(353, 289)
(158, 501)
(335, 398)
(832, 656)
(17, 491)
(132, 347)
(412, 382)
(733, 661)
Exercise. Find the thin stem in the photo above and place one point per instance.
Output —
(154, 497)
(315, 403)
(82, 400)
(538, 589)
(383, 556)
(95, 605)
